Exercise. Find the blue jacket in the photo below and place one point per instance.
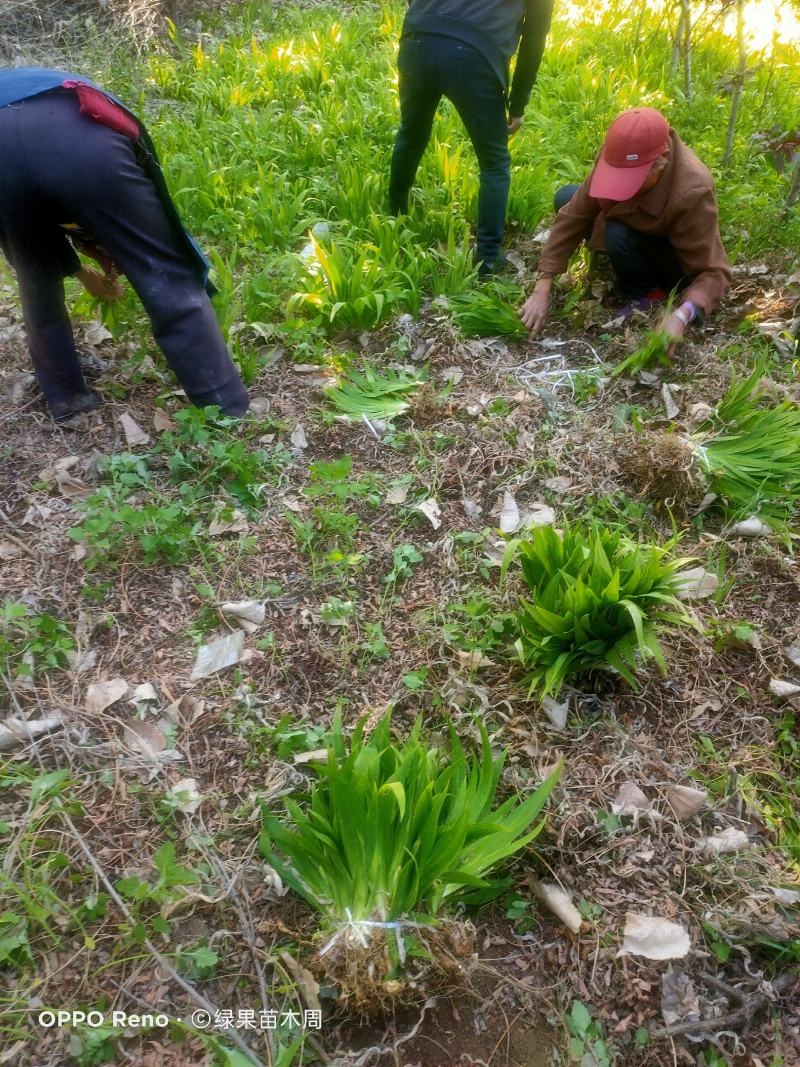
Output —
(21, 83)
(495, 28)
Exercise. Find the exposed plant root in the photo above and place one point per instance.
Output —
(662, 467)
(363, 963)
(427, 407)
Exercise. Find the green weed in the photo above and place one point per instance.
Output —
(587, 1044)
(32, 644)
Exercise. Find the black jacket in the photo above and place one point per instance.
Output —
(495, 28)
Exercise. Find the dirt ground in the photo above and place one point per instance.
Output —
(549, 445)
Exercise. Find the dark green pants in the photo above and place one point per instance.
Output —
(431, 67)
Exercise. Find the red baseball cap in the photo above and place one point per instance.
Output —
(634, 140)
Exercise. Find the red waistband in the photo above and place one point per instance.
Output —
(97, 106)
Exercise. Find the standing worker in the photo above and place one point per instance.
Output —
(462, 49)
(79, 171)
(650, 204)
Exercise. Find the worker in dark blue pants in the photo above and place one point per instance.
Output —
(647, 267)
(462, 50)
(83, 174)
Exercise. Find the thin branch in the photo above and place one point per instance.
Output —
(194, 994)
(750, 1005)
(18, 541)
(738, 88)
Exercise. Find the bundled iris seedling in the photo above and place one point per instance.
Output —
(391, 837)
(484, 314)
(652, 352)
(596, 602)
(372, 395)
(747, 454)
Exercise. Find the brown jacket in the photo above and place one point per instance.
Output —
(682, 207)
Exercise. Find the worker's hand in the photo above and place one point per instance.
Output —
(536, 308)
(103, 286)
(514, 123)
(675, 327)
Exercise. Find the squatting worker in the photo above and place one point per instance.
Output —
(462, 49)
(650, 205)
(79, 171)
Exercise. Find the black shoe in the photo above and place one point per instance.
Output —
(78, 404)
(489, 270)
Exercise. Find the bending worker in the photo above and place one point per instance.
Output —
(78, 172)
(462, 49)
(650, 205)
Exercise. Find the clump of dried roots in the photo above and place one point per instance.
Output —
(427, 407)
(377, 968)
(663, 467)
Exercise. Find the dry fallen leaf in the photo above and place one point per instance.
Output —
(432, 512)
(144, 738)
(538, 514)
(95, 333)
(474, 660)
(679, 1001)
(727, 840)
(398, 494)
(293, 503)
(134, 434)
(472, 509)
(654, 938)
(162, 422)
(631, 801)
(494, 551)
(558, 484)
(143, 694)
(309, 986)
(16, 386)
(696, 583)
(558, 901)
(259, 406)
(781, 688)
(185, 796)
(298, 438)
(555, 712)
(65, 463)
(509, 514)
(227, 520)
(247, 614)
(16, 731)
(316, 755)
(219, 654)
(686, 801)
(101, 695)
(671, 409)
(453, 375)
(185, 711)
(790, 897)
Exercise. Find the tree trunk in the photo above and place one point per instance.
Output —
(738, 88)
(676, 46)
(794, 186)
(687, 50)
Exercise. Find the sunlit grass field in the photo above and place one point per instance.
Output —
(270, 125)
